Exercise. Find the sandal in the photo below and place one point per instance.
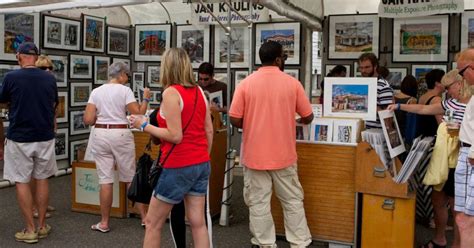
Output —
(433, 245)
(97, 227)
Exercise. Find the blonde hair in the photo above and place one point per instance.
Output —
(466, 55)
(44, 60)
(452, 77)
(176, 68)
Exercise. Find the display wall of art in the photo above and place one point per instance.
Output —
(80, 66)
(293, 72)
(239, 76)
(288, 34)
(328, 68)
(16, 29)
(61, 144)
(93, 33)
(151, 41)
(196, 41)
(419, 71)
(239, 56)
(396, 76)
(118, 41)
(61, 33)
(4, 69)
(101, 69)
(62, 108)
(74, 147)
(467, 29)
(80, 93)
(352, 35)
(350, 97)
(76, 123)
(59, 69)
(153, 76)
(421, 39)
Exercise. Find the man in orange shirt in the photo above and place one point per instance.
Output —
(264, 105)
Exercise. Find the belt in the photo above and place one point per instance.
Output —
(465, 144)
(111, 126)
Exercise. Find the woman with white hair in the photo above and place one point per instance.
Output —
(113, 140)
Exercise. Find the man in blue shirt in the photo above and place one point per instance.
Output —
(29, 149)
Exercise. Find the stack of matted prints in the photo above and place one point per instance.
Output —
(417, 154)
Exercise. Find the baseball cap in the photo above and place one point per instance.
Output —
(27, 48)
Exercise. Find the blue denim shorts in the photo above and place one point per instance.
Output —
(174, 184)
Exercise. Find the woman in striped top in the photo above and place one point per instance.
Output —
(460, 94)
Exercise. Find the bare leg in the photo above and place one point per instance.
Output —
(466, 226)
(142, 210)
(158, 211)
(33, 193)
(195, 212)
(439, 200)
(25, 200)
(456, 239)
(42, 197)
(106, 194)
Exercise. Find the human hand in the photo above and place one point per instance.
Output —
(392, 107)
(137, 120)
(146, 93)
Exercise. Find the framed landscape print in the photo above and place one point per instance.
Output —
(396, 76)
(93, 33)
(293, 72)
(196, 41)
(59, 69)
(76, 123)
(350, 97)
(80, 93)
(151, 41)
(118, 41)
(391, 132)
(421, 39)
(467, 29)
(101, 69)
(239, 54)
(345, 131)
(239, 76)
(61, 33)
(352, 35)
(419, 71)
(62, 108)
(74, 147)
(286, 33)
(321, 130)
(80, 66)
(328, 68)
(16, 29)
(61, 144)
(4, 69)
(153, 76)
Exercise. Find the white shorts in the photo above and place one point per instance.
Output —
(110, 147)
(31, 159)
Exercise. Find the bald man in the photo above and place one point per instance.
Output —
(464, 184)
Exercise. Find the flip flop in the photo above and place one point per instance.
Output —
(97, 227)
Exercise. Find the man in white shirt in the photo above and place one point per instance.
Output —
(464, 180)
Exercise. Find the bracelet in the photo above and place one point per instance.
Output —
(398, 106)
(146, 99)
(142, 127)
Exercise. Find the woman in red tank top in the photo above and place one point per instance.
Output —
(185, 130)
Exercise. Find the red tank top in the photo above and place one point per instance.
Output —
(193, 147)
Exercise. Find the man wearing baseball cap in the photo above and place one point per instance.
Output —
(29, 150)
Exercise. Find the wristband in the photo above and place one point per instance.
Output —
(146, 99)
(398, 106)
(142, 127)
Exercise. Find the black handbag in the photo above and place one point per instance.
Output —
(139, 190)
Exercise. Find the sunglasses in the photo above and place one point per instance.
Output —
(461, 72)
(44, 68)
(204, 79)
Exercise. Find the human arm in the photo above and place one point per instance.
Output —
(437, 101)
(90, 114)
(140, 109)
(421, 109)
(209, 130)
(237, 122)
(2, 139)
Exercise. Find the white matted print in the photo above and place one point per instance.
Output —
(153, 76)
(93, 34)
(80, 66)
(239, 54)
(303, 132)
(59, 69)
(16, 29)
(294, 73)
(286, 33)
(61, 33)
(395, 77)
(345, 131)
(61, 144)
(391, 132)
(321, 130)
(421, 39)
(467, 24)
(151, 41)
(328, 69)
(239, 76)
(80, 93)
(216, 98)
(101, 69)
(350, 97)
(195, 40)
(62, 108)
(118, 41)
(76, 122)
(222, 77)
(74, 147)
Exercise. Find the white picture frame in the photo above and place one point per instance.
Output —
(291, 31)
(60, 69)
(328, 68)
(293, 72)
(391, 132)
(25, 25)
(118, 41)
(396, 76)
(239, 53)
(153, 76)
(149, 41)
(93, 34)
(61, 33)
(80, 93)
(80, 66)
(61, 142)
(73, 148)
(321, 130)
(76, 123)
(101, 69)
(467, 24)
(239, 76)
(350, 97)
(419, 71)
(196, 41)
(303, 132)
(62, 108)
(345, 131)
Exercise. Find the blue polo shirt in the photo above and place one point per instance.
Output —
(32, 94)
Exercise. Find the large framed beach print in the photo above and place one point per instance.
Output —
(59, 69)
(118, 41)
(80, 66)
(151, 41)
(467, 29)
(93, 33)
(16, 29)
(421, 39)
(391, 132)
(101, 69)
(239, 56)
(286, 33)
(61, 33)
(352, 35)
(195, 40)
(350, 97)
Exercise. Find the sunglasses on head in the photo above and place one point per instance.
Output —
(461, 72)
(44, 68)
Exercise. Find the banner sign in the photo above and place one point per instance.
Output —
(413, 8)
(251, 12)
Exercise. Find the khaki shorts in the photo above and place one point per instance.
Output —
(110, 147)
(26, 160)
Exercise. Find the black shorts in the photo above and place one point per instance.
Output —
(449, 185)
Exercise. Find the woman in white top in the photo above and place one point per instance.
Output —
(113, 140)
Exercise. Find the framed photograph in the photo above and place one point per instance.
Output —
(155, 97)
(239, 76)
(419, 71)
(222, 77)
(118, 41)
(317, 110)
(350, 98)
(74, 147)
(76, 123)
(16, 29)
(293, 72)
(302, 132)
(356, 70)
(61, 33)
(345, 131)
(239, 57)
(321, 130)
(80, 66)
(396, 76)
(126, 61)
(101, 69)
(286, 33)
(138, 78)
(391, 132)
(62, 108)
(421, 39)
(153, 76)
(80, 93)
(328, 68)
(151, 41)
(93, 33)
(59, 69)
(4, 69)
(196, 40)
(61, 144)
(352, 35)
(467, 24)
